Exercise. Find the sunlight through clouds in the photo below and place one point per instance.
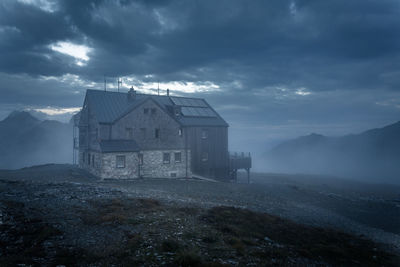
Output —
(57, 111)
(48, 6)
(79, 52)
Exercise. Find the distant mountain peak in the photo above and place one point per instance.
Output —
(20, 116)
(315, 135)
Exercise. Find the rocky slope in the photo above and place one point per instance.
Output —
(59, 215)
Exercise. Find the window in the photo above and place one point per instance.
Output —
(204, 156)
(97, 134)
(166, 157)
(178, 157)
(88, 159)
(83, 157)
(93, 159)
(129, 133)
(140, 159)
(157, 133)
(180, 132)
(146, 111)
(204, 134)
(120, 161)
(153, 111)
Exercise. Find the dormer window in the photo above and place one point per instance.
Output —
(157, 133)
(146, 111)
(153, 111)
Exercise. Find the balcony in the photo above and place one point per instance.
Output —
(239, 161)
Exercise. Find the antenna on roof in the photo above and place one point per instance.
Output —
(158, 89)
(119, 81)
(105, 83)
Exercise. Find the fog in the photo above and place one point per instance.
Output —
(372, 156)
(27, 141)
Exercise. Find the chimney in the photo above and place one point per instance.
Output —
(167, 92)
(131, 94)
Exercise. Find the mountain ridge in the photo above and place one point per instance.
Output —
(371, 154)
(25, 140)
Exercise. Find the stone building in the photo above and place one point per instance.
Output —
(131, 135)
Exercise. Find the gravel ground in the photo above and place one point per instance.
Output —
(368, 210)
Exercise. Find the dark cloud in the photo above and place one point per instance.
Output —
(273, 42)
(279, 62)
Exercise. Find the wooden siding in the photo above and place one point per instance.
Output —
(136, 120)
(216, 147)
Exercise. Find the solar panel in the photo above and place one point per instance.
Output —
(200, 103)
(197, 112)
(192, 102)
(187, 111)
(186, 102)
(189, 102)
(176, 101)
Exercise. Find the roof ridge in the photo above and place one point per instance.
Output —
(138, 93)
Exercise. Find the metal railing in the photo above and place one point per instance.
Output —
(239, 160)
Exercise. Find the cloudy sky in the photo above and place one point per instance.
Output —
(273, 69)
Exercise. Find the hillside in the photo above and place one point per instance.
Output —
(55, 215)
(26, 140)
(373, 155)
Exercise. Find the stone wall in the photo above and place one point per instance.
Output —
(153, 165)
(104, 165)
(109, 167)
(95, 162)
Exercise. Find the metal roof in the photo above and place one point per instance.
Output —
(110, 106)
(118, 146)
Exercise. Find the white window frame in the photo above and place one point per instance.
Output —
(180, 157)
(169, 157)
(123, 157)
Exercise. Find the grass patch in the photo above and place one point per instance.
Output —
(170, 245)
(188, 258)
(117, 211)
(309, 242)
